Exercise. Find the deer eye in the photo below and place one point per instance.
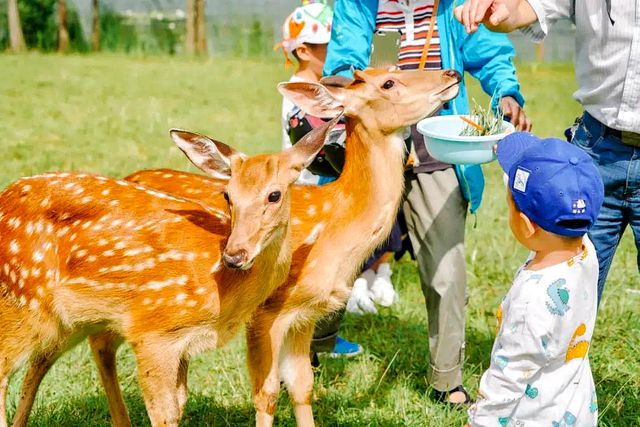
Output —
(274, 196)
(226, 196)
(388, 84)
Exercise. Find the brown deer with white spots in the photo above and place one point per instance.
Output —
(335, 227)
(87, 255)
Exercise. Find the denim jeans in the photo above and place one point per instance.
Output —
(619, 166)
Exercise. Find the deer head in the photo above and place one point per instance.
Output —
(380, 99)
(257, 190)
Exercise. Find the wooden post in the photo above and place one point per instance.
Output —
(15, 29)
(95, 25)
(190, 42)
(63, 33)
(201, 33)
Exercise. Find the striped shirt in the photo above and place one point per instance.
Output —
(412, 19)
(607, 56)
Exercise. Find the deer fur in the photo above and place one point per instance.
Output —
(88, 255)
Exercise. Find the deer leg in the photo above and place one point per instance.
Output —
(265, 335)
(296, 371)
(37, 369)
(104, 346)
(183, 370)
(158, 367)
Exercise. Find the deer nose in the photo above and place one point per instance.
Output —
(235, 260)
(453, 74)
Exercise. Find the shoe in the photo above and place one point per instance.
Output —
(381, 288)
(344, 348)
(443, 397)
(360, 300)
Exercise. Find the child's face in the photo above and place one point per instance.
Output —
(314, 55)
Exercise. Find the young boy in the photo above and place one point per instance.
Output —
(540, 373)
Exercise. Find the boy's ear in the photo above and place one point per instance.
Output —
(302, 52)
(529, 226)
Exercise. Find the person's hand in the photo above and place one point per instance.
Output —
(515, 113)
(501, 16)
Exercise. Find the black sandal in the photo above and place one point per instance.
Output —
(443, 397)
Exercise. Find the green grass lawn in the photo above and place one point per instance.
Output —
(110, 115)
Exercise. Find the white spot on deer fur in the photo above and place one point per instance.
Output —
(14, 247)
(73, 237)
(5, 269)
(146, 301)
(306, 195)
(47, 246)
(314, 234)
(12, 276)
(40, 291)
(21, 283)
(76, 223)
(191, 303)
(116, 222)
(87, 224)
(326, 206)
(26, 188)
(120, 245)
(86, 199)
(35, 272)
(39, 226)
(200, 291)
(82, 253)
(105, 192)
(78, 191)
(102, 242)
(180, 298)
(101, 178)
(108, 252)
(312, 263)
(62, 175)
(159, 301)
(34, 304)
(216, 266)
(114, 203)
(49, 228)
(97, 227)
(45, 203)
(121, 182)
(24, 273)
(38, 256)
(92, 258)
(14, 222)
(130, 223)
(295, 221)
(69, 185)
(167, 175)
(138, 251)
(156, 285)
(29, 227)
(311, 210)
(22, 301)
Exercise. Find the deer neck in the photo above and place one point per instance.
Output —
(373, 179)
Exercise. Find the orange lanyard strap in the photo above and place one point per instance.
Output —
(427, 43)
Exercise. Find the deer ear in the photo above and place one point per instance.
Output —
(314, 98)
(212, 157)
(304, 151)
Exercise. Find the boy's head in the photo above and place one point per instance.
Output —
(554, 190)
(306, 34)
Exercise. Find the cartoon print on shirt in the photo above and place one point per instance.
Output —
(559, 298)
(567, 420)
(531, 392)
(577, 349)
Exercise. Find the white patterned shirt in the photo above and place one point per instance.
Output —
(540, 373)
(607, 56)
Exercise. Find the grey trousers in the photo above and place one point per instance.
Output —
(436, 212)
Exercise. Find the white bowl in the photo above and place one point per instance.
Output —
(442, 138)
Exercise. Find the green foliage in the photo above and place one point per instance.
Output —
(39, 25)
(110, 114)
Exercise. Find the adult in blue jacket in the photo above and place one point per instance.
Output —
(437, 195)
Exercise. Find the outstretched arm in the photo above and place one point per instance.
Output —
(354, 22)
(501, 16)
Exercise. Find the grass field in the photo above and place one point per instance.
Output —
(110, 115)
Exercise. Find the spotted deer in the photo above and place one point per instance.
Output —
(87, 255)
(335, 227)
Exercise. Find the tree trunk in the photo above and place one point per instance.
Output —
(201, 34)
(190, 46)
(95, 25)
(15, 29)
(63, 33)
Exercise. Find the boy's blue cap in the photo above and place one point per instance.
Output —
(553, 182)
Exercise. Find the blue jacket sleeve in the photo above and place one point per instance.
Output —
(488, 57)
(354, 22)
